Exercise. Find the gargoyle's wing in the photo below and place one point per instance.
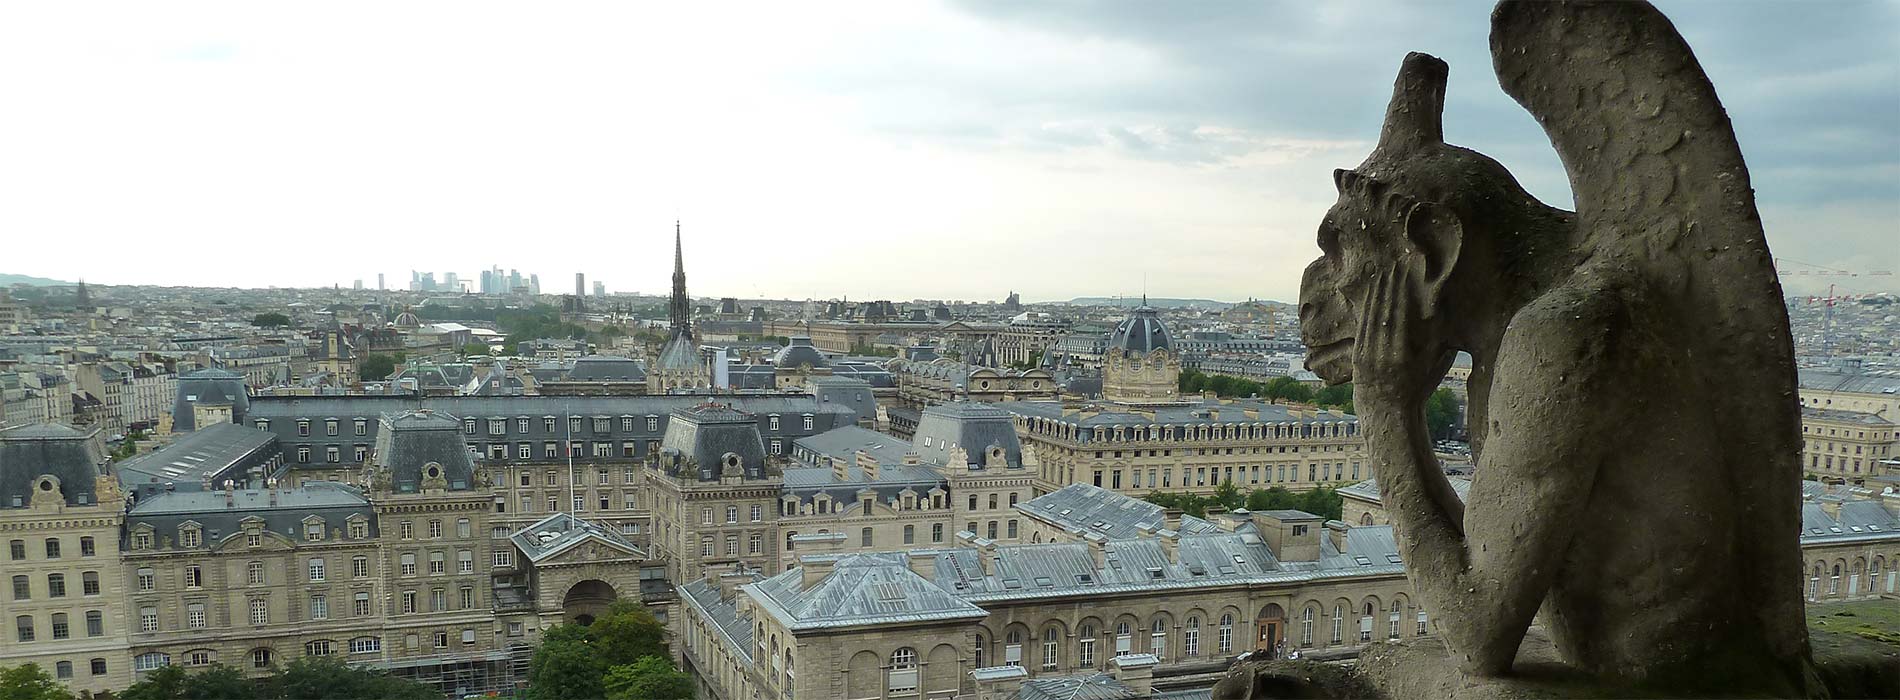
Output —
(1652, 159)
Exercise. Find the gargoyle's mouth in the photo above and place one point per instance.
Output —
(1331, 361)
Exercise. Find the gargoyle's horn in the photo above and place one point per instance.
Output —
(1416, 115)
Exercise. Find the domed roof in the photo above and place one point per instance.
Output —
(1141, 332)
(407, 319)
(798, 352)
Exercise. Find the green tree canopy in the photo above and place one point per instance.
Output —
(566, 668)
(30, 682)
(1337, 396)
(270, 320)
(627, 633)
(1228, 495)
(377, 366)
(1441, 413)
(650, 678)
(475, 349)
(324, 678)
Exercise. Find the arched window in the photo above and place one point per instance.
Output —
(1124, 639)
(1013, 648)
(1191, 637)
(1158, 638)
(1398, 606)
(260, 658)
(1339, 623)
(1226, 639)
(1085, 646)
(1051, 639)
(903, 677)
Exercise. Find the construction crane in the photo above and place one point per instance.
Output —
(1827, 318)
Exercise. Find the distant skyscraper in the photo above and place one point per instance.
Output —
(600, 288)
(379, 282)
(514, 279)
(534, 284)
(580, 284)
(359, 284)
(452, 282)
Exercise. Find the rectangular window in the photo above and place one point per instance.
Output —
(89, 582)
(408, 601)
(195, 615)
(319, 608)
(438, 563)
(360, 605)
(146, 580)
(260, 612)
(316, 570)
(148, 619)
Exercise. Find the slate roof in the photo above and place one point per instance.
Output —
(1368, 490)
(408, 442)
(1828, 379)
(212, 387)
(1860, 520)
(861, 589)
(560, 532)
(1840, 416)
(1142, 332)
(1088, 686)
(972, 426)
(74, 457)
(606, 368)
(1068, 569)
(735, 630)
(1189, 414)
(208, 455)
(699, 438)
(798, 352)
(680, 353)
(844, 443)
(336, 504)
(1080, 509)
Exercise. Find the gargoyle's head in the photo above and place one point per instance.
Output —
(1386, 223)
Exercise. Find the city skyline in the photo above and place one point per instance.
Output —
(317, 150)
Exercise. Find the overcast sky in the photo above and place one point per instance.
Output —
(895, 150)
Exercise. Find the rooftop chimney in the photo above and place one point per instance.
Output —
(867, 464)
(1136, 671)
(912, 458)
(1171, 519)
(923, 564)
(1292, 535)
(1171, 547)
(1337, 532)
(813, 569)
(839, 470)
(1098, 550)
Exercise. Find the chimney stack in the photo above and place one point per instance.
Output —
(1171, 519)
(1337, 532)
(923, 564)
(1136, 671)
(1831, 505)
(912, 459)
(813, 569)
(839, 470)
(867, 464)
(1098, 551)
(1170, 546)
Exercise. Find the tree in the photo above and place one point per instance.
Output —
(627, 633)
(475, 349)
(378, 366)
(650, 678)
(1323, 502)
(270, 320)
(1441, 412)
(162, 683)
(1276, 498)
(220, 682)
(566, 668)
(1228, 495)
(1337, 396)
(30, 682)
(324, 678)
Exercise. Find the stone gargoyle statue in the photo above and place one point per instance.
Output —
(1632, 391)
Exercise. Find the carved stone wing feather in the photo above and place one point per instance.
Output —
(1652, 158)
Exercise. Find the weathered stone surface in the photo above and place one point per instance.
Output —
(1632, 385)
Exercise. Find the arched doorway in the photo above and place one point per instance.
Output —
(588, 600)
(1269, 628)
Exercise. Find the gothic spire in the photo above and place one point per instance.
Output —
(680, 307)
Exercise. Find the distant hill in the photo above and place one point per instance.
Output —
(1157, 302)
(7, 280)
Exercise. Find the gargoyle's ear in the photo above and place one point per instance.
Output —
(1416, 115)
(1437, 235)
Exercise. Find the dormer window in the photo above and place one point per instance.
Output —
(313, 530)
(189, 537)
(468, 426)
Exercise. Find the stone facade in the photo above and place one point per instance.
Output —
(1847, 445)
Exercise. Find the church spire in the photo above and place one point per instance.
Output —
(680, 307)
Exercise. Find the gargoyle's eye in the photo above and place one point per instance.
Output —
(1328, 237)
